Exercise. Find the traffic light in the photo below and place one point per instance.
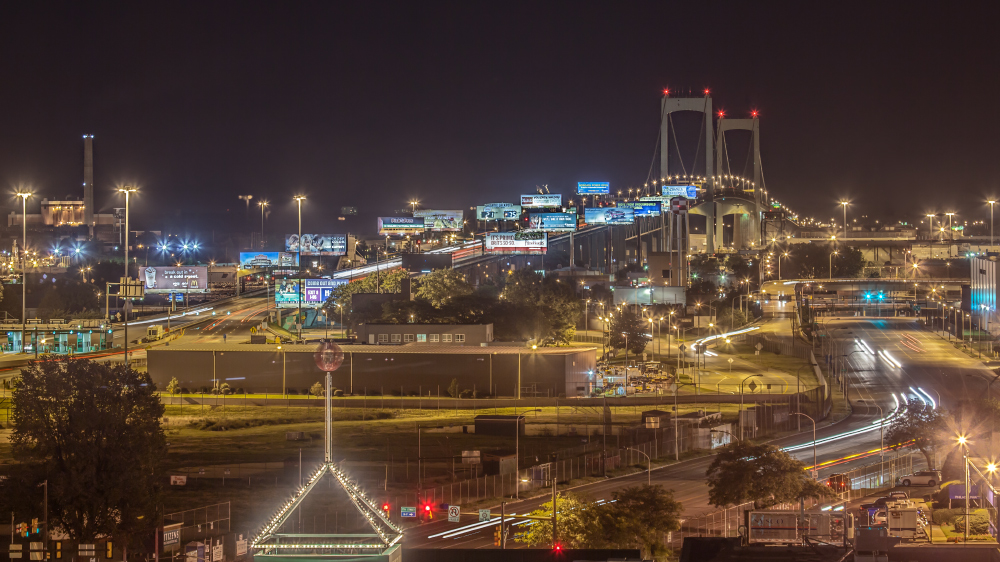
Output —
(109, 546)
(428, 512)
(557, 548)
(385, 508)
(497, 536)
(35, 529)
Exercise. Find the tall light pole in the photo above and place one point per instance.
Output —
(815, 470)
(950, 231)
(413, 205)
(24, 262)
(965, 457)
(247, 199)
(833, 253)
(299, 199)
(263, 205)
(991, 202)
(844, 205)
(127, 190)
(930, 228)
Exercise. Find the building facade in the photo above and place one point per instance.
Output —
(435, 334)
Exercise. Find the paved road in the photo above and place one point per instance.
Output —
(927, 362)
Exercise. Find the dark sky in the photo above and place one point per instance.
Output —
(373, 103)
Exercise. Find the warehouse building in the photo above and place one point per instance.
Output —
(409, 370)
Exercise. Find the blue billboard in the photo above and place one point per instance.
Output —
(689, 191)
(250, 260)
(608, 215)
(593, 187)
(642, 208)
(552, 222)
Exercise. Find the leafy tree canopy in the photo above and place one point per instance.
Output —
(441, 285)
(626, 326)
(759, 473)
(920, 424)
(93, 431)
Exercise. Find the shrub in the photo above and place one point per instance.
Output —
(291, 391)
(316, 389)
(338, 392)
(465, 394)
(240, 391)
(184, 390)
(453, 388)
(945, 516)
(980, 523)
(173, 386)
(203, 390)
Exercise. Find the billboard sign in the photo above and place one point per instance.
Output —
(440, 221)
(548, 200)
(317, 244)
(593, 187)
(286, 293)
(552, 222)
(348, 211)
(172, 279)
(400, 225)
(498, 212)
(251, 260)
(516, 242)
(689, 191)
(609, 215)
(317, 291)
(642, 208)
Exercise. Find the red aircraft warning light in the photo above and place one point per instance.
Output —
(753, 114)
(721, 114)
(666, 91)
(706, 91)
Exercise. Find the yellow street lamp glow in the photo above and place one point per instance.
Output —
(992, 467)
(961, 440)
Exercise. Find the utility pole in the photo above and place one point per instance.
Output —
(127, 190)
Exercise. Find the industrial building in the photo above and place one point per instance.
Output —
(394, 334)
(407, 370)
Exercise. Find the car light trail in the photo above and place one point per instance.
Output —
(933, 403)
(864, 345)
(874, 426)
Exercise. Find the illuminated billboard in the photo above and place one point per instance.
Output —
(498, 212)
(439, 221)
(689, 191)
(593, 187)
(552, 222)
(400, 225)
(175, 279)
(608, 215)
(516, 242)
(252, 260)
(317, 244)
(548, 200)
(348, 211)
(642, 208)
(317, 291)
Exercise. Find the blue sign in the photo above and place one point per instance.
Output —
(407, 512)
(609, 215)
(957, 492)
(593, 187)
(642, 208)
(552, 222)
(689, 191)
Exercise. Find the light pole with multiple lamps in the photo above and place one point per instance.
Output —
(298, 314)
(263, 205)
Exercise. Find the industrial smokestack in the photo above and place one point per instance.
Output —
(88, 181)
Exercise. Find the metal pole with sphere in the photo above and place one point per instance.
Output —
(298, 320)
(24, 262)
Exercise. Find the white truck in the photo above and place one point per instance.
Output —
(154, 333)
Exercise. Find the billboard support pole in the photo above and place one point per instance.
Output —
(572, 253)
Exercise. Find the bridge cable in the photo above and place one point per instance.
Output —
(656, 147)
(701, 135)
(677, 145)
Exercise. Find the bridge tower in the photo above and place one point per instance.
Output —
(747, 222)
(703, 105)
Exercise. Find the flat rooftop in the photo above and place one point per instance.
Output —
(366, 348)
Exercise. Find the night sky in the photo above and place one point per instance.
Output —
(371, 104)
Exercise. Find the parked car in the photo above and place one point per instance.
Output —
(922, 478)
(898, 495)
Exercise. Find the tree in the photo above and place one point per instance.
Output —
(848, 263)
(638, 518)
(763, 474)
(440, 285)
(577, 523)
(173, 386)
(387, 281)
(555, 303)
(920, 425)
(93, 431)
(453, 389)
(628, 326)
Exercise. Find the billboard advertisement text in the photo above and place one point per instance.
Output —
(593, 187)
(498, 212)
(689, 191)
(608, 215)
(516, 242)
(549, 200)
(400, 225)
(252, 260)
(317, 244)
(552, 222)
(172, 279)
(642, 208)
(317, 291)
(439, 221)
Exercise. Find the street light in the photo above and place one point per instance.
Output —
(263, 205)
(649, 464)
(833, 253)
(127, 190)
(413, 205)
(844, 204)
(965, 455)
(24, 261)
(298, 314)
(814, 470)
(991, 202)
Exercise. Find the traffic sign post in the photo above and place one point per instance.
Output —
(454, 513)
(484, 515)
(407, 512)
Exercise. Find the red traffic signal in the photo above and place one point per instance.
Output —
(385, 507)
(557, 547)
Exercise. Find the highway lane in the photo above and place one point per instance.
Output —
(926, 362)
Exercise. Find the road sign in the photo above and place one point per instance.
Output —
(484, 515)
(407, 512)
(759, 346)
(681, 347)
(752, 386)
(454, 513)
(730, 360)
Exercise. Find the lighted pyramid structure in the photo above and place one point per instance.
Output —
(384, 543)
